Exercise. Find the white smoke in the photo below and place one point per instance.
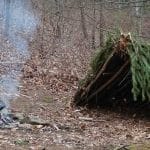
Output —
(18, 24)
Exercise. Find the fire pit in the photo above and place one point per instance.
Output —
(6, 119)
(11, 120)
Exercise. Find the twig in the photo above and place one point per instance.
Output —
(90, 119)
(98, 75)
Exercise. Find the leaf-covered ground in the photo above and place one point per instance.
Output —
(47, 87)
(69, 128)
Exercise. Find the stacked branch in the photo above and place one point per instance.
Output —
(119, 70)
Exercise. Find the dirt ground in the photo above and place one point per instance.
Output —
(69, 127)
(47, 89)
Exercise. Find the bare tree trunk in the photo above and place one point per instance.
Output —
(94, 26)
(42, 50)
(83, 24)
(7, 17)
(58, 13)
(138, 14)
(101, 35)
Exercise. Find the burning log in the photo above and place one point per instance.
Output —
(114, 73)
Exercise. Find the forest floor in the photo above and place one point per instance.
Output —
(69, 127)
(47, 90)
